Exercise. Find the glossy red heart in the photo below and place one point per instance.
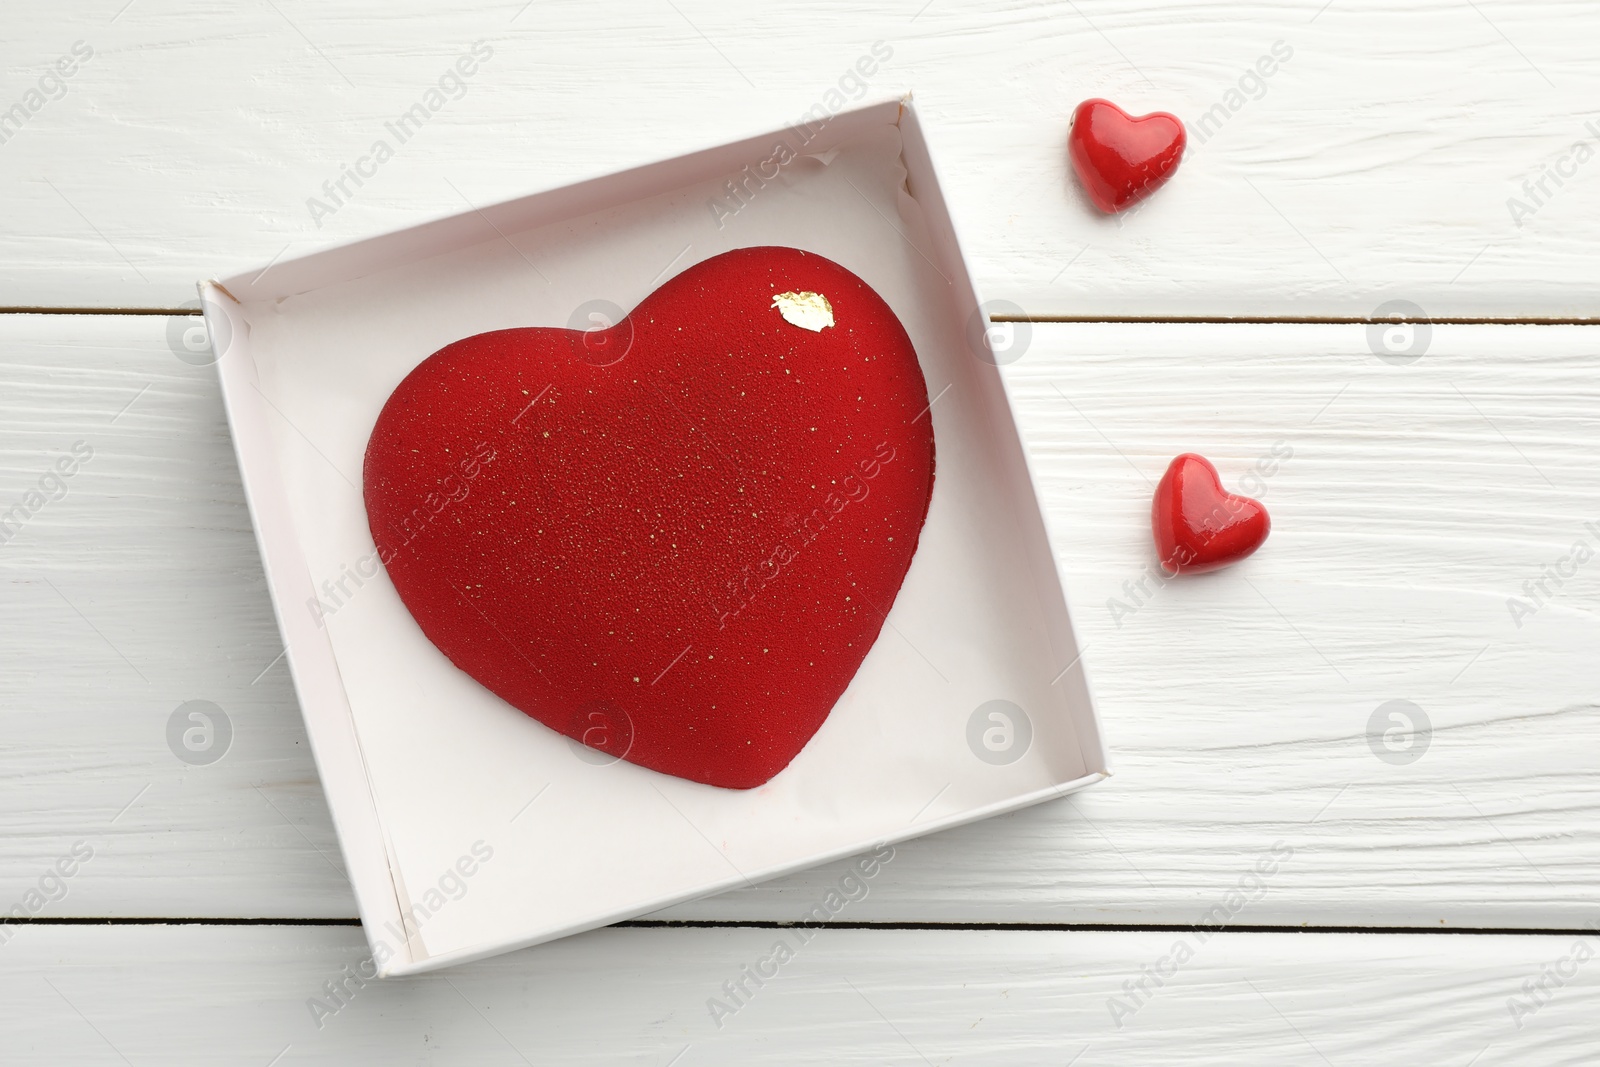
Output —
(673, 539)
(1200, 526)
(1121, 159)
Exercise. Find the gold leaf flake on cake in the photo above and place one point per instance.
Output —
(809, 311)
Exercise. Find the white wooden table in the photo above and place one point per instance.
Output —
(1431, 894)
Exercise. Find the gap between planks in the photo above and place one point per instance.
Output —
(954, 927)
(98, 311)
(1135, 320)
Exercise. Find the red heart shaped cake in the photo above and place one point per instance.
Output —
(673, 539)
(1121, 159)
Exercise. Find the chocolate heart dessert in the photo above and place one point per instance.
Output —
(1121, 159)
(1200, 526)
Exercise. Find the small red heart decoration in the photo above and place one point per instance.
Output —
(1121, 159)
(673, 539)
(1199, 526)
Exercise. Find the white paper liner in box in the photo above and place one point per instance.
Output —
(469, 827)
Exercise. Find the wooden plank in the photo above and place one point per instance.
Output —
(136, 591)
(1382, 158)
(199, 995)
(1238, 706)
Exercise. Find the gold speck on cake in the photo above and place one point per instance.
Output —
(809, 311)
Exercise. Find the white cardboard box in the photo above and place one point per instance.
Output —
(470, 829)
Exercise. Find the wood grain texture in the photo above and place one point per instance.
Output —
(1414, 504)
(1377, 162)
(193, 995)
(140, 589)
(1239, 706)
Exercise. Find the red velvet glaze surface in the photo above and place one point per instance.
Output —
(1198, 525)
(1121, 159)
(674, 539)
